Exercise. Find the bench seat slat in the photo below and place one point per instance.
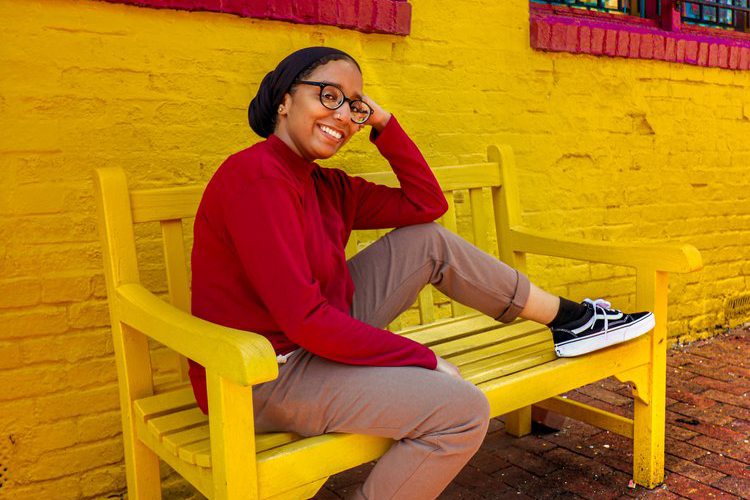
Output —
(449, 329)
(502, 363)
(524, 333)
(495, 349)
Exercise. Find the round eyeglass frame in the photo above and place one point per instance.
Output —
(323, 85)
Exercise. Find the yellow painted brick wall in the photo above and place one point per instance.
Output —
(610, 149)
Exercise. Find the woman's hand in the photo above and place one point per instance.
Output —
(379, 117)
(448, 368)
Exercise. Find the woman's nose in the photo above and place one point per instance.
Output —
(343, 113)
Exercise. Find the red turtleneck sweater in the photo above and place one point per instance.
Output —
(268, 254)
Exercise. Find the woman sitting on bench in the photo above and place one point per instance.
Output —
(268, 257)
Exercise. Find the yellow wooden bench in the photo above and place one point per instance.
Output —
(515, 365)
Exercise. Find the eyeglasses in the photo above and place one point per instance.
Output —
(333, 97)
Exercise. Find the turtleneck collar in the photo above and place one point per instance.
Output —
(301, 167)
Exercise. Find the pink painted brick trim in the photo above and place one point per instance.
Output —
(368, 16)
(553, 28)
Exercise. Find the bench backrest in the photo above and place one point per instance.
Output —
(122, 209)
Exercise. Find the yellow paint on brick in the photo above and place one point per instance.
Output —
(607, 148)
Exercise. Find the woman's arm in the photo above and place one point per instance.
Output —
(418, 200)
(264, 220)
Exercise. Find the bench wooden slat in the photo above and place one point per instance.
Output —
(449, 329)
(504, 363)
(174, 442)
(190, 453)
(426, 306)
(469, 176)
(477, 350)
(150, 205)
(521, 363)
(176, 264)
(479, 220)
(162, 404)
(181, 420)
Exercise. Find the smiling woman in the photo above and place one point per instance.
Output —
(268, 257)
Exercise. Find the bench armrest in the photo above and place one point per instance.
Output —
(679, 258)
(243, 357)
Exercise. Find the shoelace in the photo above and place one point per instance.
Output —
(603, 305)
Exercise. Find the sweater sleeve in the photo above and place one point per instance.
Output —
(265, 223)
(418, 200)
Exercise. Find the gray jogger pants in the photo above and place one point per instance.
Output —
(438, 421)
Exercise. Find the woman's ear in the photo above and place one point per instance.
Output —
(285, 104)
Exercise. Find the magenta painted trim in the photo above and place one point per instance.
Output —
(368, 16)
(636, 38)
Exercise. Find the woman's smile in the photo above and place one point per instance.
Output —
(331, 132)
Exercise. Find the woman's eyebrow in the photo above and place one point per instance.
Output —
(356, 96)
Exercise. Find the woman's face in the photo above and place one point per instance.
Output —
(309, 128)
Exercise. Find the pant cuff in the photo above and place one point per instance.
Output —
(518, 301)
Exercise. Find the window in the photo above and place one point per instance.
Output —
(701, 32)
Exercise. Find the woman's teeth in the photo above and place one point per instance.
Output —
(331, 132)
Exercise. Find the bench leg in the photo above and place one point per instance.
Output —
(232, 439)
(649, 418)
(518, 422)
(141, 464)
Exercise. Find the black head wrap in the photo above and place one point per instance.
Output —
(263, 108)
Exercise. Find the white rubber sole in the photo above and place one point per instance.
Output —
(577, 347)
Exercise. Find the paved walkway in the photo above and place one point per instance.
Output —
(708, 429)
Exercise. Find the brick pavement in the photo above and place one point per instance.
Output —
(707, 450)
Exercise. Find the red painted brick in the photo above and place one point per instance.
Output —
(703, 54)
(597, 41)
(282, 9)
(365, 14)
(347, 13)
(635, 45)
(541, 32)
(623, 44)
(647, 46)
(610, 43)
(584, 39)
(260, 9)
(745, 58)
(734, 57)
(571, 38)
(403, 18)
(723, 56)
(306, 11)
(659, 49)
(557, 41)
(327, 12)
(670, 51)
(691, 51)
(383, 16)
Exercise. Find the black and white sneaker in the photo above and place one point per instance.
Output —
(600, 327)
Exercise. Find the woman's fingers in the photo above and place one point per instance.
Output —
(379, 117)
(448, 368)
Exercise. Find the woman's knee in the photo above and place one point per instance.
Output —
(469, 408)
